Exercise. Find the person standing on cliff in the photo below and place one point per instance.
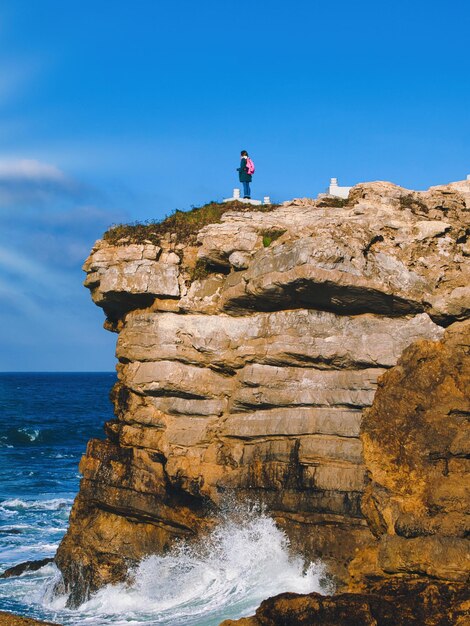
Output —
(245, 172)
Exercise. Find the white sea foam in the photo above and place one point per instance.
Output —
(41, 505)
(228, 575)
(31, 433)
(7, 513)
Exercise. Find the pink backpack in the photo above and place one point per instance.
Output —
(250, 166)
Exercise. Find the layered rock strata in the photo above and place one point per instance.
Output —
(249, 381)
(416, 439)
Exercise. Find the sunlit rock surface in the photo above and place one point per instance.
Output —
(247, 380)
(416, 439)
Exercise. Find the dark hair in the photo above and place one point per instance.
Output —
(244, 153)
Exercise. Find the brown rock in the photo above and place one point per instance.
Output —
(416, 446)
(416, 440)
(26, 566)
(395, 602)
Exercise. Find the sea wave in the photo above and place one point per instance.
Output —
(33, 551)
(228, 574)
(21, 436)
(33, 435)
(16, 504)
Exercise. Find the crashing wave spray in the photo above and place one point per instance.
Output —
(239, 564)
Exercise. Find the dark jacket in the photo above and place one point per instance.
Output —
(242, 173)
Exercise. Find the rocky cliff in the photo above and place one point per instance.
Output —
(248, 350)
(416, 439)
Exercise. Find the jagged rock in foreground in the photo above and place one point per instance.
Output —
(416, 441)
(392, 602)
(247, 354)
(26, 566)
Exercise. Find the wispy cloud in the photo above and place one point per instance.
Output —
(23, 266)
(14, 298)
(19, 263)
(49, 220)
(27, 182)
(29, 170)
(45, 230)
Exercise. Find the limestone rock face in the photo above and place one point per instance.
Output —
(416, 445)
(248, 380)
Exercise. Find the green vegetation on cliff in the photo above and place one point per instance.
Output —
(186, 224)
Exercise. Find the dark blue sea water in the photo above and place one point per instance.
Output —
(45, 422)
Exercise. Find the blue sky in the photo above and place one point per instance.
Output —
(123, 111)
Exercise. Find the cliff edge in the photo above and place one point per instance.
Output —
(248, 349)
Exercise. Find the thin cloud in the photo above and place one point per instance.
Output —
(48, 223)
(26, 269)
(42, 212)
(31, 183)
(14, 298)
(30, 170)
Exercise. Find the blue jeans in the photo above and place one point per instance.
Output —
(246, 190)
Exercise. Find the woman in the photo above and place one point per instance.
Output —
(243, 175)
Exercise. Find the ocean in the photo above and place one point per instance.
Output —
(46, 420)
